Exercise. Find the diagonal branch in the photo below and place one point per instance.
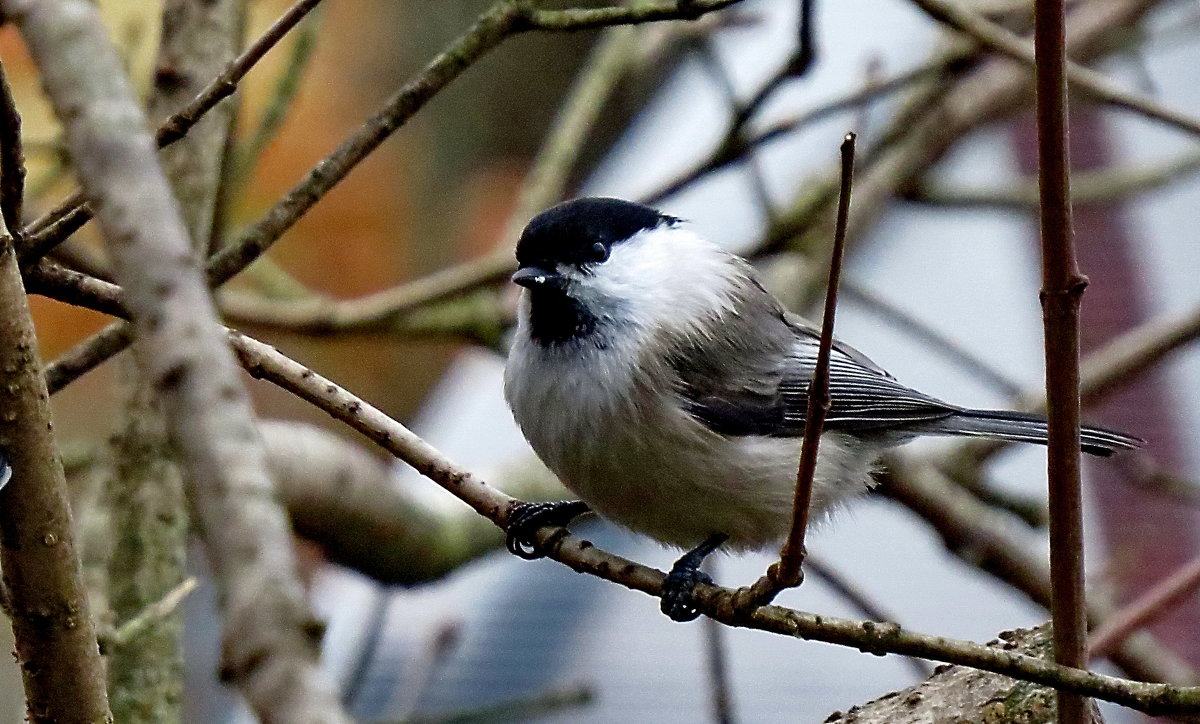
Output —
(263, 361)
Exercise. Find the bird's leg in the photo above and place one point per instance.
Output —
(526, 518)
(678, 602)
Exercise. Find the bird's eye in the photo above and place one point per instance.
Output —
(599, 252)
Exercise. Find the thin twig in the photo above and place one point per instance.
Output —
(1062, 288)
(733, 151)
(152, 614)
(791, 556)
(1145, 609)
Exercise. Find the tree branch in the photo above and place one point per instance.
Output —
(1062, 289)
(46, 600)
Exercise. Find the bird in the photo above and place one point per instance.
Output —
(657, 378)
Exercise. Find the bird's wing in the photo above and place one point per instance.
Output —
(861, 398)
(773, 400)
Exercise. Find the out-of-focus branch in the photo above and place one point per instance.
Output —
(148, 518)
(393, 309)
(1147, 607)
(1100, 372)
(1086, 186)
(929, 125)
(351, 503)
(45, 596)
(271, 637)
(1081, 78)
(986, 539)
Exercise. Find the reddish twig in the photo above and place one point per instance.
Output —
(1145, 609)
(1062, 288)
(792, 554)
(786, 573)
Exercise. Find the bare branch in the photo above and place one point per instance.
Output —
(1147, 607)
(46, 600)
(1062, 289)
(265, 362)
(504, 19)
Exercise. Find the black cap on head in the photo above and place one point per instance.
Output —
(584, 230)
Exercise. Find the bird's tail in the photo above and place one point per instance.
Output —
(1026, 427)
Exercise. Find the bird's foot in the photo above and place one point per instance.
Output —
(526, 518)
(678, 597)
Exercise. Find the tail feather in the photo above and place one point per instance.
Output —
(1026, 427)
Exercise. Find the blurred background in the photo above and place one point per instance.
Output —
(941, 289)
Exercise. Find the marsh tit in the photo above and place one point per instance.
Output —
(654, 374)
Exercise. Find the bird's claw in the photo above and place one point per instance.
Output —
(678, 592)
(526, 518)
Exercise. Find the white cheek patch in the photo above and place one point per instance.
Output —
(665, 277)
(5, 472)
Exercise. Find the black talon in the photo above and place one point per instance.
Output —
(526, 518)
(678, 601)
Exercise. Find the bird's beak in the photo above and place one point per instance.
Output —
(535, 277)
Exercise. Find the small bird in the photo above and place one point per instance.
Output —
(660, 381)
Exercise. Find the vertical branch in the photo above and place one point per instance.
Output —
(55, 635)
(42, 587)
(1062, 288)
(149, 519)
(786, 573)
